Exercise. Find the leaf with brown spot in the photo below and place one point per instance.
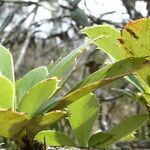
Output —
(136, 35)
(132, 33)
(133, 41)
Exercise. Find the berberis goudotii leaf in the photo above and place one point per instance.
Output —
(132, 41)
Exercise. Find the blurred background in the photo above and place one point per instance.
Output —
(40, 31)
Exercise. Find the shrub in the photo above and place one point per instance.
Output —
(30, 104)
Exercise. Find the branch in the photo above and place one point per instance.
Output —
(130, 6)
(110, 99)
(8, 34)
(148, 8)
(27, 3)
(26, 44)
(23, 51)
(38, 23)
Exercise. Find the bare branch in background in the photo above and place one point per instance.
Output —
(148, 7)
(23, 51)
(25, 45)
(15, 28)
(9, 18)
(25, 3)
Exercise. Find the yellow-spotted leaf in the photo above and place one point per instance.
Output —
(11, 123)
(38, 95)
(7, 93)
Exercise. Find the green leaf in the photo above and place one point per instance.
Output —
(129, 137)
(115, 72)
(142, 81)
(135, 96)
(6, 64)
(53, 64)
(12, 123)
(121, 130)
(135, 82)
(64, 68)
(54, 138)
(99, 138)
(109, 42)
(144, 99)
(111, 70)
(135, 38)
(135, 41)
(38, 95)
(46, 106)
(83, 115)
(41, 122)
(7, 93)
(96, 76)
(24, 84)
